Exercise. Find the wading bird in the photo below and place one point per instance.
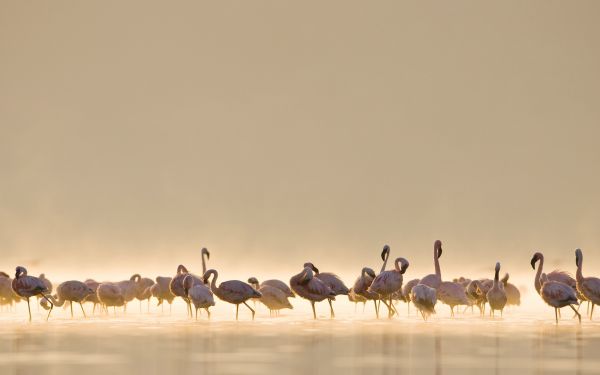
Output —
(129, 289)
(424, 298)
(109, 294)
(361, 287)
(389, 282)
(311, 288)
(332, 281)
(71, 291)
(496, 296)
(588, 286)
(199, 294)
(93, 298)
(29, 286)
(513, 296)
(142, 292)
(434, 280)
(557, 295)
(176, 285)
(235, 292)
(162, 292)
(452, 294)
(556, 275)
(406, 291)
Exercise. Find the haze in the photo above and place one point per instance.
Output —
(134, 133)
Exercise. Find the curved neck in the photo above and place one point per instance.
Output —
(213, 282)
(396, 266)
(56, 302)
(387, 255)
(436, 263)
(538, 274)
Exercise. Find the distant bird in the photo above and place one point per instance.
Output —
(311, 288)
(72, 291)
(129, 288)
(199, 294)
(361, 287)
(424, 298)
(589, 287)
(389, 282)
(357, 298)
(274, 283)
(93, 298)
(557, 295)
(462, 281)
(434, 280)
(29, 286)
(332, 281)
(452, 294)
(7, 295)
(513, 295)
(406, 291)
(109, 294)
(233, 291)
(161, 291)
(274, 299)
(176, 285)
(496, 296)
(143, 291)
(477, 293)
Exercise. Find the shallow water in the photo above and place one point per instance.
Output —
(354, 343)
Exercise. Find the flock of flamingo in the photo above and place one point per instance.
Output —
(557, 288)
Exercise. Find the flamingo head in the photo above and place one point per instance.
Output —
(385, 252)
(404, 265)
(369, 272)
(135, 277)
(437, 245)
(205, 252)
(312, 267)
(207, 274)
(578, 257)
(20, 271)
(253, 281)
(535, 258)
(181, 269)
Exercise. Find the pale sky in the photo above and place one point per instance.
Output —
(132, 133)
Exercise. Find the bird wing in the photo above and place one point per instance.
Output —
(562, 277)
(592, 285)
(317, 286)
(558, 291)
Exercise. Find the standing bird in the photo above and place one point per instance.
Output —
(361, 287)
(143, 291)
(588, 286)
(29, 286)
(357, 298)
(47, 283)
(556, 275)
(406, 291)
(162, 292)
(176, 285)
(274, 283)
(389, 282)
(93, 298)
(129, 288)
(7, 295)
(512, 292)
(109, 294)
(274, 298)
(557, 295)
(452, 294)
(199, 294)
(424, 298)
(311, 288)
(496, 296)
(72, 291)
(434, 280)
(233, 291)
(332, 281)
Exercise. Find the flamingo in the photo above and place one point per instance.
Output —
(161, 290)
(7, 295)
(311, 288)
(332, 281)
(356, 298)
(362, 284)
(274, 298)
(389, 282)
(109, 294)
(589, 287)
(129, 288)
(512, 292)
(199, 294)
(28, 286)
(274, 283)
(434, 280)
(72, 291)
(143, 291)
(477, 292)
(557, 295)
(496, 296)
(233, 291)
(556, 275)
(424, 299)
(47, 283)
(93, 298)
(176, 285)
(452, 294)
(406, 291)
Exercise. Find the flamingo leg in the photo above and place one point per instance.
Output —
(331, 309)
(578, 315)
(312, 303)
(556, 314)
(452, 311)
(196, 313)
(29, 309)
(82, 310)
(208, 313)
(559, 314)
(364, 305)
(51, 305)
(71, 304)
(237, 309)
(251, 309)
(592, 312)
(376, 309)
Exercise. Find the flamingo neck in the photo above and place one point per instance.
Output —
(496, 278)
(436, 263)
(203, 264)
(579, 274)
(56, 302)
(538, 274)
(387, 255)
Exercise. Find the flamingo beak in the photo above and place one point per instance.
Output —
(439, 252)
(207, 255)
(383, 254)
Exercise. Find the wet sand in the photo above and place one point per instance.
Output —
(521, 342)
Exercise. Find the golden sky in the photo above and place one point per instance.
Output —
(132, 133)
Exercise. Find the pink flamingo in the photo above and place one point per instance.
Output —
(311, 288)
(233, 291)
(176, 285)
(589, 287)
(496, 296)
(332, 281)
(557, 295)
(199, 294)
(389, 282)
(434, 280)
(72, 291)
(362, 284)
(29, 286)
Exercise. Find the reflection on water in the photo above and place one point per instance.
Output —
(154, 344)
